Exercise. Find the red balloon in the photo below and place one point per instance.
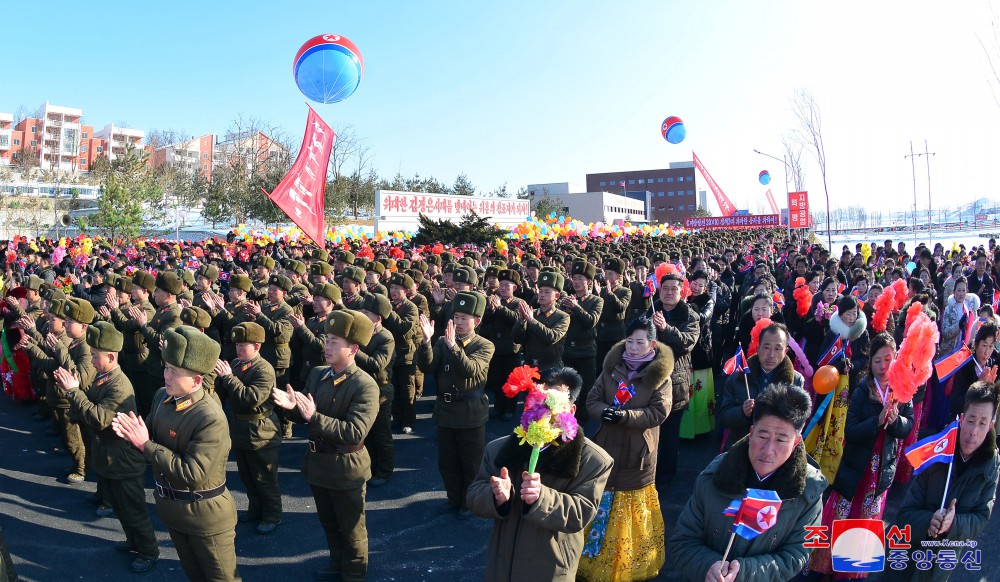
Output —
(826, 379)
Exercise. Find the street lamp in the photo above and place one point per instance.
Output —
(788, 203)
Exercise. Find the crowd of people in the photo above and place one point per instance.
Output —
(175, 356)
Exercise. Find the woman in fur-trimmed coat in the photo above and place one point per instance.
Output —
(849, 327)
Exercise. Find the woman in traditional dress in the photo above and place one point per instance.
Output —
(632, 397)
(699, 418)
(14, 363)
(875, 425)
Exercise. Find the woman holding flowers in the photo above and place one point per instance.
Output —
(632, 398)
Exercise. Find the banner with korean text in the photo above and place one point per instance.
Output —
(401, 210)
(798, 209)
(740, 221)
(300, 193)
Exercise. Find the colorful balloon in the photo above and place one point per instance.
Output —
(825, 380)
(673, 130)
(328, 68)
(765, 177)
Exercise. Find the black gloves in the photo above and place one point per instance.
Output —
(613, 415)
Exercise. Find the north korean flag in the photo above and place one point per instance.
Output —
(624, 393)
(736, 363)
(939, 448)
(756, 513)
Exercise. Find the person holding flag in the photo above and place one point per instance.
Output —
(982, 367)
(951, 495)
(959, 312)
(876, 423)
(769, 544)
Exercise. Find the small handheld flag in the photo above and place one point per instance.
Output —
(624, 393)
(939, 448)
(737, 363)
(756, 513)
(650, 288)
(953, 362)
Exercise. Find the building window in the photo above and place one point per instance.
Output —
(34, 129)
(84, 135)
(641, 181)
(670, 207)
(83, 149)
(204, 156)
(670, 193)
(603, 184)
(670, 179)
(204, 167)
(34, 142)
(100, 149)
(631, 181)
(83, 163)
(17, 142)
(660, 194)
(659, 180)
(690, 192)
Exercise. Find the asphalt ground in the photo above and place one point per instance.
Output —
(54, 534)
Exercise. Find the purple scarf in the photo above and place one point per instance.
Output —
(635, 364)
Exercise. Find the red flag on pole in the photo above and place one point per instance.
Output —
(725, 206)
(300, 193)
(770, 200)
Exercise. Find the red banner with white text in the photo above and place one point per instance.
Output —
(798, 210)
(741, 221)
(300, 193)
(725, 205)
(770, 200)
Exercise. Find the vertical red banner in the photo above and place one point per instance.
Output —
(725, 205)
(770, 200)
(798, 209)
(300, 194)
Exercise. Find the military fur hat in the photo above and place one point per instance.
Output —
(281, 282)
(403, 264)
(169, 282)
(248, 332)
(144, 280)
(124, 284)
(466, 275)
(34, 283)
(533, 263)
(186, 347)
(196, 317)
(469, 302)
(186, 276)
(354, 273)
(241, 282)
(449, 268)
(492, 271)
(467, 261)
(103, 336)
(297, 267)
(318, 268)
(434, 260)
(78, 310)
(614, 264)
(509, 275)
(640, 262)
(353, 326)
(266, 262)
(472, 255)
(346, 257)
(420, 265)
(210, 272)
(328, 290)
(550, 279)
(56, 307)
(377, 304)
(54, 295)
(361, 262)
(659, 257)
(416, 275)
(401, 279)
(320, 255)
(376, 266)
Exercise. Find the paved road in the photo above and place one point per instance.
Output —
(55, 535)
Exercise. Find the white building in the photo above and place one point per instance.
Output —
(703, 199)
(59, 146)
(554, 189)
(118, 138)
(604, 207)
(6, 123)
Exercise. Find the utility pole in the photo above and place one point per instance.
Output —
(930, 224)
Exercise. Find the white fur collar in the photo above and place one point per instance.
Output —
(852, 333)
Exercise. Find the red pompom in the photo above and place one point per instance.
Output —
(803, 297)
(912, 366)
(883, 309)
(521, 379)
(899, 288)
(755, 335)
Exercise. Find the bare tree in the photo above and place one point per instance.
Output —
(21, 113)
(810, 134)
(793, 155)
(251, 148)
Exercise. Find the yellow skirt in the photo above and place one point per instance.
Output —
(633, 547)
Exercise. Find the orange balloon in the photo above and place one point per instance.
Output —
(825, 380)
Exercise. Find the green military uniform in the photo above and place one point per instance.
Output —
(166, 317)
(310, 335)
(639, 302)
(462, 407)
(337, 464)
(376, 359)
(404, 325)
(254, 428)
(580, 348)
(188, 446)
(273, 317)
(498, 327)
(543, 337)
(134, 352)
(119, 466)
(74, 357)
(233, 315)
(210, 272)
(354, 302)
(611, 326)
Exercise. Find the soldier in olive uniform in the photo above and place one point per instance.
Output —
(168, 316)
(343, 260)
(235, 313)
(642, 299)
(340, 405)
(132, 358)
(75, 314)
(498, 326)
(404, 325)
(584, 309)
(261, 279)
(350, 282)
(319, 272)
(247, 383)
(274, 318)
(119, 466)
(309, 333)
(205, 298)
(373, 278)
(376, 359)
(187, 286)
(459, 361)
(616, 297)
(186, 440)
(542, 332)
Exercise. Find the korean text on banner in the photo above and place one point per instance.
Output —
(798, 209)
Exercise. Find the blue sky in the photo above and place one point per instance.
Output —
(548, 91)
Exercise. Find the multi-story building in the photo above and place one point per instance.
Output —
(253, 149)
(6, 137)
(117, 139)
(197, 153)
(672, 190)
(57, 136)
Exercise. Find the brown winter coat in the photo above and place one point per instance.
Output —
(632, 443)
(542, 541)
